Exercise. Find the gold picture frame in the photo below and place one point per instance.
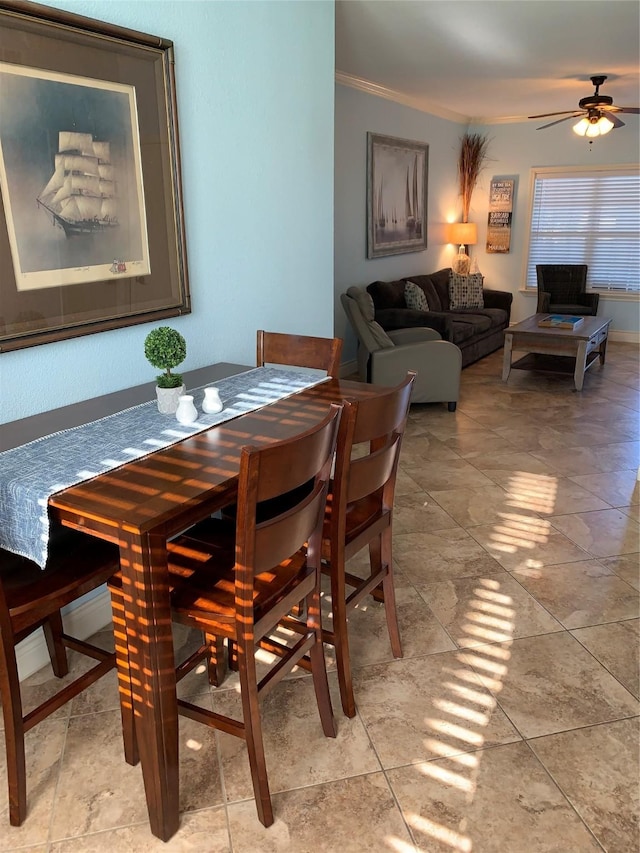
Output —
(91, 217)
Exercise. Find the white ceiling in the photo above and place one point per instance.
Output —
(490, 60)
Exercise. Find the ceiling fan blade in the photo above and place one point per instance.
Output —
(613, 118)
(634, 110)
(548, 115)
(558, 121)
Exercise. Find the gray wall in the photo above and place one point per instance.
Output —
(356, 113)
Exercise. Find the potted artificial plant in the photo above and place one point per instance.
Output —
(165, 348)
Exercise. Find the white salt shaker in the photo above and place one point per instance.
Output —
(212, 402)
(186, 413)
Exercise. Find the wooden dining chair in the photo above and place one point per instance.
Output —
(299, 351)
(360, 513)
(240, 581)
(31, 597)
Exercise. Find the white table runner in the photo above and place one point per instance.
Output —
(31, 473)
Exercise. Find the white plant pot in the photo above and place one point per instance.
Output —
(168, 399)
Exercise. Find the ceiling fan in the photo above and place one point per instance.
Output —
(598, 113)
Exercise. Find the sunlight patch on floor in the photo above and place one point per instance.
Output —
(455, 840)
(537, 492)
(465, 706)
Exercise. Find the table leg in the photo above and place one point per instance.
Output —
(506, 362)
(603, 350)
(150, 647)
(581, 363)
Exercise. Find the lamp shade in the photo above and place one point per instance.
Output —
(463, 233)
(593, 126)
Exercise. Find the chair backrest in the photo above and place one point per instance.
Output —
(380, 422)
(358, 306)
(563, 281)
(273, 472)
(299, 350)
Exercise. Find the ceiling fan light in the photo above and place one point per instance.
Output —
(605, 125)
(582, 126)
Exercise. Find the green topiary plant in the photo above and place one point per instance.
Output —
(165, 348)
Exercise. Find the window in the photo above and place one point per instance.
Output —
(592, 217)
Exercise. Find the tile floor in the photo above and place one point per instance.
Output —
(510, 725)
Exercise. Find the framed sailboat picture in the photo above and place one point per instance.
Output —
(91, 220)
(397, 176)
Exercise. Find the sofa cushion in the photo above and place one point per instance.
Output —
(414, 297)
(440, 282)
(465, 291)
(497, 317)
(477, 323)
(406, 318)
(387, 294)
(461, 332)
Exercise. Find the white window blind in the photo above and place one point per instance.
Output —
(588, 217)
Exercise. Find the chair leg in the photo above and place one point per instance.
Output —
(341, 638)
(386, 556)
(232, 655)
(14, 736)
(216, 665)
(452, 406)
(253, 730)
(53, 631)
(319, 666)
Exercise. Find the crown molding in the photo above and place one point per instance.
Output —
(406, 100)
(420, 104)
(497, 119)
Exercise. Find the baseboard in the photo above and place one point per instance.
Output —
(624, 337)
(84, 620)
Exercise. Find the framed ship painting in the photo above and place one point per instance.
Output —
(91, 221)
(397, 175)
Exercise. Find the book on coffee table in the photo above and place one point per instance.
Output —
(560, 321)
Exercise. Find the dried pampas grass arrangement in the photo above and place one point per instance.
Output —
(473, 153)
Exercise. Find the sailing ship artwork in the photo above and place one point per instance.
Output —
(71, 179)
(397, 189)
(81, 193)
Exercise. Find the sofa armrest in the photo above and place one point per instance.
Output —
(407, 318)
(414, 335)
(498, 299)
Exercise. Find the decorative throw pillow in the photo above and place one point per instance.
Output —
(465, 291)
(414, 297)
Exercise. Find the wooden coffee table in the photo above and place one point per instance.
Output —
(556, 350)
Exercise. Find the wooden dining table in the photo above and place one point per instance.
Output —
(140, 506)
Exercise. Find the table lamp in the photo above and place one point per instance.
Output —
(465, 234)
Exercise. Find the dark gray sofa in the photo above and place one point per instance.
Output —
(477, 331)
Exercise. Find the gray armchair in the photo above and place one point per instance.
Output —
(385, 357)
